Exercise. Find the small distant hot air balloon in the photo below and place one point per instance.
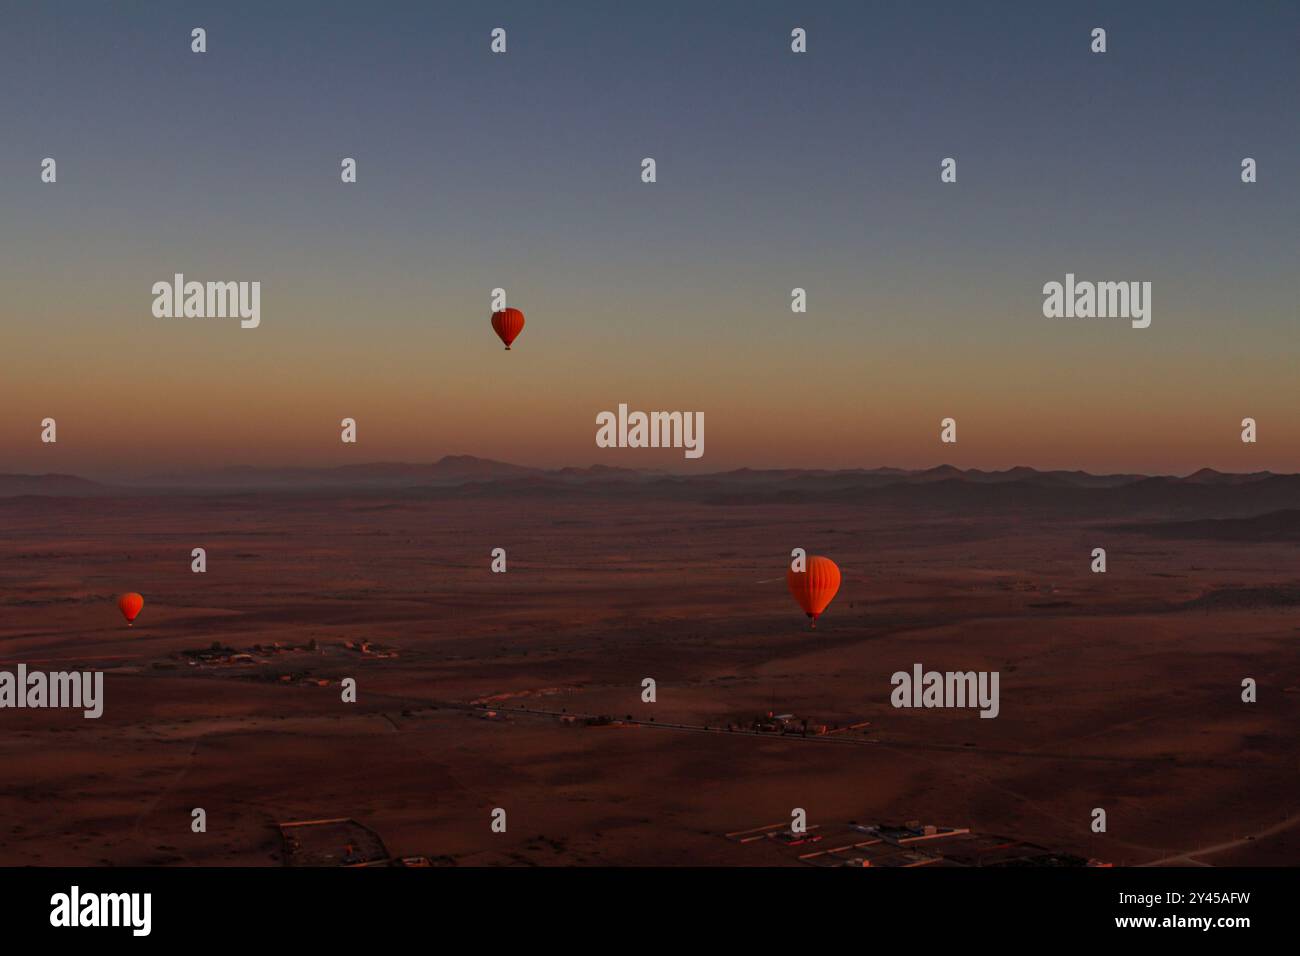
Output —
(815, 587)
(508, 323)
(130, 605)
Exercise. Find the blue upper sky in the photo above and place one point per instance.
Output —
(775, 170)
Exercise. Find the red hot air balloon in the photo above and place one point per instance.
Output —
(130, 605)
(815, 587)
(508, 323)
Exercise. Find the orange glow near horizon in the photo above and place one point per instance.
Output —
(135, 395)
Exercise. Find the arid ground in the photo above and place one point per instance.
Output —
(1119, 690)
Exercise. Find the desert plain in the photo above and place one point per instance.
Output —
(523, 690)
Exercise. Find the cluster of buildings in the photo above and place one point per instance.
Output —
(774, 723)
(220, 655)
(339, 841)
(600, 720)
(910, 844)
(370, 649)
(771, 723)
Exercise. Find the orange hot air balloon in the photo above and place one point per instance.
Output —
(130, 605)
(815, 587)
(508, 323)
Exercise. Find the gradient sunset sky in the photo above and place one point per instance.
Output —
(775, 170)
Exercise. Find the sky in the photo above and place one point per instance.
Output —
(775, 170)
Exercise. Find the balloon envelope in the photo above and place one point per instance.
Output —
(815, 587)
(130, 605)
(508, 323)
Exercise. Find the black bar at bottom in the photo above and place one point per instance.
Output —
(494, 907)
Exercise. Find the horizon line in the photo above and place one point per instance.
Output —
(201, 472)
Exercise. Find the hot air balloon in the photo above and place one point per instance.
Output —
(508, 323)
(815, 587)
(130, 605)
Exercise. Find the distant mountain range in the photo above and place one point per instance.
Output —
(53, 486)
(1205, 494)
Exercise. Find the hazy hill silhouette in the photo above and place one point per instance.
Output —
(51, 485)
(1206, 494)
